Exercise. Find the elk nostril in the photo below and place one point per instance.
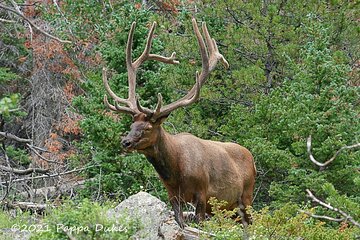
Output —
(126, 143)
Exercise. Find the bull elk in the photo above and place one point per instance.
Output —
(192, 169)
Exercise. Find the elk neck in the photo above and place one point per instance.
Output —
(163, 155)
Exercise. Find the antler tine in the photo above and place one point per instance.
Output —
(147, 49)
(129, 45)
(214, 53)
(117, 107)
(114, 96)
(205, 67)
(130, 67)
(130, 103)
(197, 89)
(221, 57)
(208, 39)
(159, 104)
(184, 101)
(117, 99)
(204, 55)
(143, 109)
(106, 102)
(146, 55)
(168, 60)
(108, 89)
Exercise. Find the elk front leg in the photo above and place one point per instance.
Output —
(176, 206)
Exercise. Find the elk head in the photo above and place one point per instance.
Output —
(143, 133)
(147, 122)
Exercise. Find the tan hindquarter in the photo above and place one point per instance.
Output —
(222, 170)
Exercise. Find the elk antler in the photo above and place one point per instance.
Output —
(132, 105)
(209, 59)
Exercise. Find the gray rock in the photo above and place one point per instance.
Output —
(156, 220)
(14, 234)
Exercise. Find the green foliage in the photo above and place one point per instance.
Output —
(14, 225)
(316, 101)
(84, 220)
(6, 75)
(348, 204)
(7, 102)
(19, 218)
(19, 155)
(287, 222)
(222, 223)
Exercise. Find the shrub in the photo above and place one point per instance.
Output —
(286, 222)
(84, 220)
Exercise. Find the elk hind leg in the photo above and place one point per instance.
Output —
(242, 213)
(244, 202)
(200, 207)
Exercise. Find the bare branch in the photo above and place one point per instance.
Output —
(34, 149)
(328, 206)
(32, 24)
(15, 138)
(27, 205)
(49, 176)
(62, 14)
(28, 144)
(323, 217)
(194, 233)
(6, 20)
(23, 171)
(323, 165)
(53, 191)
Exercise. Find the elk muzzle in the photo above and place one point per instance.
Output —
(127, 144)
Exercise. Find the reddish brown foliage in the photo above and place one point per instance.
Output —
(59, 149)
(343, 226)
(30, 11)
(137, 5)
(69, 125)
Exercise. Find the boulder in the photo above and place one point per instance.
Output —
(156, 220)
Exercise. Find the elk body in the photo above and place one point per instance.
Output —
(192, 169)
